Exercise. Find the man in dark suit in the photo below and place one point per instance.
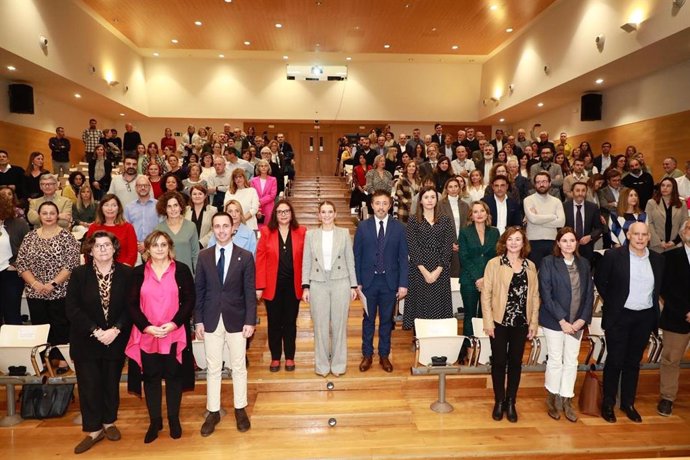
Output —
(505, 212)
(584, 217)
(675, 319)
(629, 280)
(603, 161)
(438, 136)
(499, 141)
(381, 265)
(225, 313)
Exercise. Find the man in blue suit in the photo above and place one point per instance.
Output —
(381, 264)
(510, 214)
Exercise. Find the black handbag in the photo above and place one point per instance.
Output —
(40, 400)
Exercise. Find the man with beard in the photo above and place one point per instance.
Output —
(642, 182)
(554, 170)
(124, 185)
(544, 215)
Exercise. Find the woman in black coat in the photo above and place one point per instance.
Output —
(567, 293)
(97, 309)
(161, 303)
(100, 169)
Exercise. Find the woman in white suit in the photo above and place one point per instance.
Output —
(200, 213)
(329, 284)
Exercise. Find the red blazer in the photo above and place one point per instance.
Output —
(267, 261)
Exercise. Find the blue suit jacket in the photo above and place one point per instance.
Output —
(395, 257)
(513, 207)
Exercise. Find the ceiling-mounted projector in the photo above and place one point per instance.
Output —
(317, 72)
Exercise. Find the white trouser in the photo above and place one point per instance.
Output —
(561, 365)
(213, 345)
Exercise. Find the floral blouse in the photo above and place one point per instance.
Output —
(516, 306)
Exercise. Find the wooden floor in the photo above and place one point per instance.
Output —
(378, 415)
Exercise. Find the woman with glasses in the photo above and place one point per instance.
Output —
(279, 281)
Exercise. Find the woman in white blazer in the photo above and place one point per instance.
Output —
(665, 207)
(200, 213)
(329, 284)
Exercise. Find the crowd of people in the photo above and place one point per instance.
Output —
(184, 243)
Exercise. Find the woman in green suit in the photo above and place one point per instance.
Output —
(477, 246)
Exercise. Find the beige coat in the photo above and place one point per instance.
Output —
(343, 260)
(656, 219)
(494, 297)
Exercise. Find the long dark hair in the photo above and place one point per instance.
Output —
(419, 214)
(273, 222)
(675, 196)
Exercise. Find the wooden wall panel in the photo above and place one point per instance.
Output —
(657, 138)
(20, 141)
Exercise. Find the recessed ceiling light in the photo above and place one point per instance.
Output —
(228, 1)
(433, 29)
(77, 95)
(247, 43)
(348, 58)
(454, 47)
(386, 46)
(197, 23)
(279, 25)
(509, 29)
(541, 104)
(11, 68)
(501, 120)
(174, 40)
(122, 114)
(599, 81)
(318, 45)
(493, 7)
(156, 54)
(285, 57)
(221, 55)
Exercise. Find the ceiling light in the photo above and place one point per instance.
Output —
(599, 81)
(221, 55)
(493, 7)
(197, 23)
(509, 29)
(433, 29)
(77, 95)
(11, 68)
(386, 46)
(285, 58)
(541, 104)
(174, 40)
(122, 114)
(454, 47)
(501, 120)
(247, 43)
(279, 25)
(348, 58)
(228, 1)
(156, 54)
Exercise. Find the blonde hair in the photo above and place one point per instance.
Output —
(239, 208)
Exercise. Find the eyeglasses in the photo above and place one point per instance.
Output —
(283, 211)
(103, 246)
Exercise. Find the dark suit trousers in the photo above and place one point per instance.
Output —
(625, 344)
(470, 301)
(98, 384)
(380, 299)
(540, 249)
(507, 348)
(282, 321)
(155, 368)
(11, 288)
(51, 312)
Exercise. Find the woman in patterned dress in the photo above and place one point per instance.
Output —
(510, 310)
(45, 261)
(406, 189)
(430, 239)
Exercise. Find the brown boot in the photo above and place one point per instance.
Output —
(551, 401)
(568, 410)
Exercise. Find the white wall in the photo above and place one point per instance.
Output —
(662, 93)
(563, 37)
(259, 90)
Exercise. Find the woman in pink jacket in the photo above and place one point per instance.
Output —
(267, 188)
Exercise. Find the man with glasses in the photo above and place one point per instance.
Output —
(49, 186)
(123, 185)
(141, 213)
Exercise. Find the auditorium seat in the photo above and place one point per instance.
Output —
(19, 346)
(481, 351)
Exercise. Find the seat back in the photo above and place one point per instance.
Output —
(436, 327)
(17, 344)
(478, 328)
(455, 294)
(448, 346)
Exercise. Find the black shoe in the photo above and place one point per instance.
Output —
(608, 414)
(210, 423)
(664, 408)
(511, 412)
(497, 413)
(632, 413)
(242, 419)
(152, 433)
(175, 427)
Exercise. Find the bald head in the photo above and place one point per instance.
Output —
(638, 237)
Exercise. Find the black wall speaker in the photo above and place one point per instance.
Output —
(21, 98)
(590, 107)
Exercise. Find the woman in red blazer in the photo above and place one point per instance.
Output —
(279, 280)
(267, 188)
